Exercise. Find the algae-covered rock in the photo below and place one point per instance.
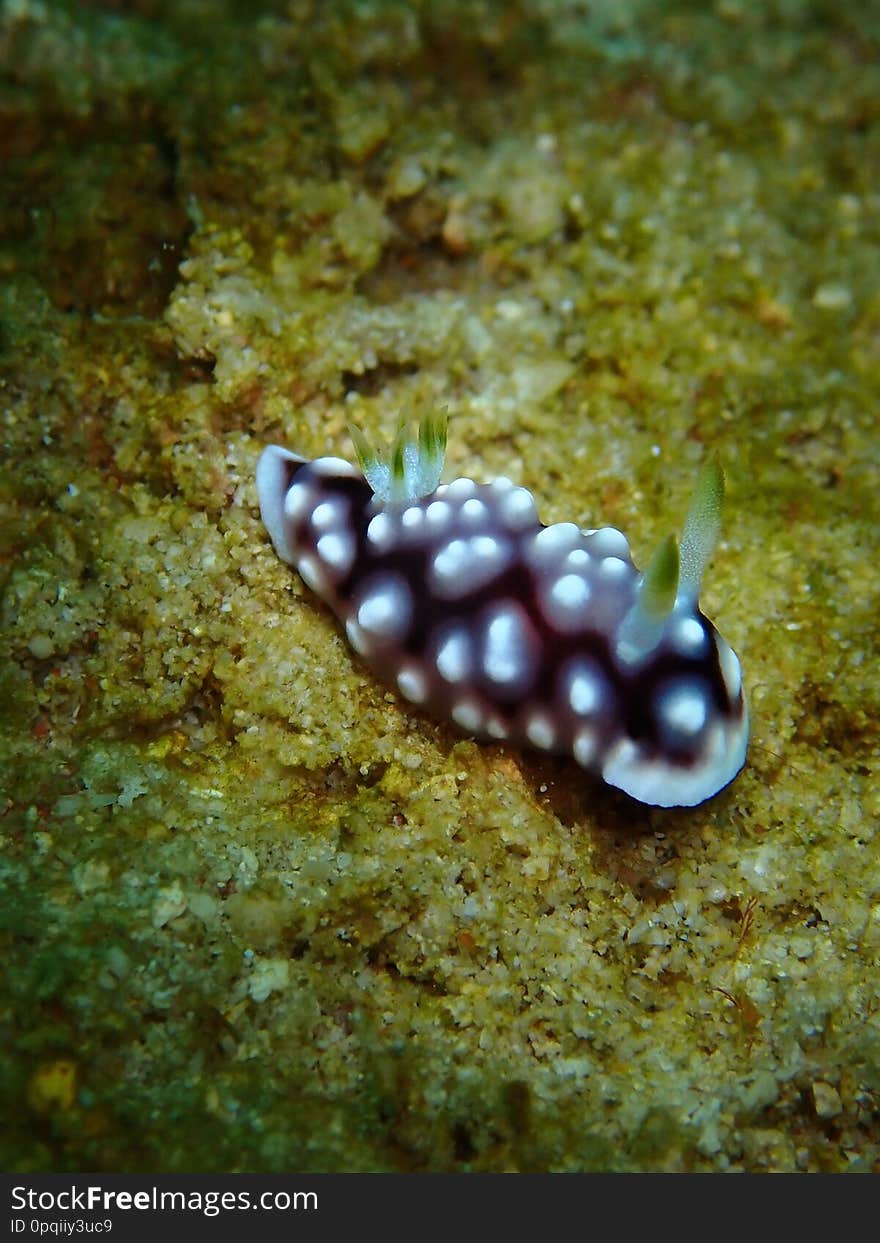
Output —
(237, 871)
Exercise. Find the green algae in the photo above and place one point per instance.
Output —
(261, 915)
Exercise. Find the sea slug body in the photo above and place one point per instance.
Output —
(546, 636)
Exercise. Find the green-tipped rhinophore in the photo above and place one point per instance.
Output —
(642, 628)
(701, 527)
(659, 587)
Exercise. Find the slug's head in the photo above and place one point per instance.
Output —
(687, 725)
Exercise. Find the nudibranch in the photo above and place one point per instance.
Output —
(546, 636)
